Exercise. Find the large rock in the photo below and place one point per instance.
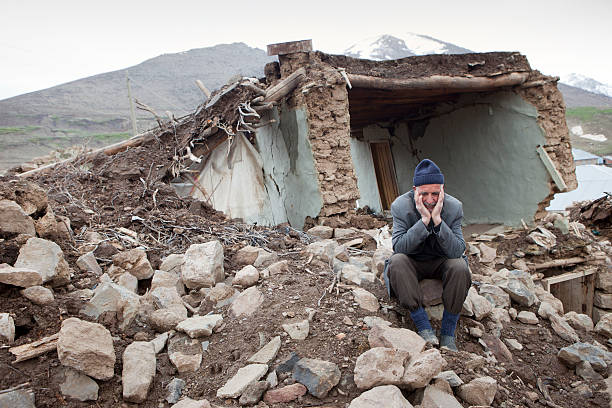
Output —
(494, 294)
(487, 253)
(431, 290)
(163, 320)
(577, 352)
(353, 273)
(527, 317)
(163, 279)
(604, 325)
(246, 277)
(285, 394)
(139, 365)
(323, 250)
(378, 260)
(422, 368)
(563, 329)
(579, 321)
(481, 307)
(78, 386)
(317, 375)
(520, 287)
(38, 295)
(13, 220)
(203, 266)
(46, 258)
(253, 393)
(604, 282)
(245, 376)
(479, 391)
(434, 397)
(135, 262)
(200, 326)
(256, 256)
(185, 353)
(22, 277)
(7, 328)
(389, 394)
(173, 263)
(603, 300)
(110, 297)
(401, 339)
(321, 231)
(88, 263)
(17, 399)
(87, 347)
(366, 300)
(247, 302)
(298, 330)
(164, 297)
(497, 347)
(189, 403)
(380, 366)
(267, 352)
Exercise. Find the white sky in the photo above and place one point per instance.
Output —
(44, 43)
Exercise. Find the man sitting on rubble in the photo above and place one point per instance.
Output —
(428, 244)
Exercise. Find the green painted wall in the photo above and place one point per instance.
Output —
(486, 148)
(366, 176)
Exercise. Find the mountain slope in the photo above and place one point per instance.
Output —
(575, 97)
(588, 84)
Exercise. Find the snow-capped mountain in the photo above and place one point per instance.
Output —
(401, 45)
(588, 84)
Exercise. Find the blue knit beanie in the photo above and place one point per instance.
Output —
(427, 172)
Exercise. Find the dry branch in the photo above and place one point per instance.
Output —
(34, 349)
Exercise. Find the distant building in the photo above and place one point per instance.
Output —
(607, 160)
(593, 181)
(582, 157)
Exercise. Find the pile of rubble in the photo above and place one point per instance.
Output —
(230, 314)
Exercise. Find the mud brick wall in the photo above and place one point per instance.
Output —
(548, 100)
(325, 96)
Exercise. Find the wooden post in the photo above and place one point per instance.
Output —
(132, 112)
(203, 88)
(552, 170)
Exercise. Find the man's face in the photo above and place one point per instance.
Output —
(429, 194)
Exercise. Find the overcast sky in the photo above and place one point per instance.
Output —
(45, 43)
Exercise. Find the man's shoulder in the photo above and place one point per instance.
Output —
(403, 202)
(449, 199)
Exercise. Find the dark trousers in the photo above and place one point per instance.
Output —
(405, 274)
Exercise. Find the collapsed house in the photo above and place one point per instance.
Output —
(347, 133)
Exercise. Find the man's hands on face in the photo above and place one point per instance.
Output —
(418, 202)
(437, 210)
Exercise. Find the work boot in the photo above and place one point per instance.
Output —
(429, 336)
(448, 342)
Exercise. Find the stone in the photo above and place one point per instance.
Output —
(500, 315)
(221, 293)
(298, 330)
(366, 300)
(258, 257)
(561, 223)
(175, 390)
(487, 253)
(378, 260)
(39, 295)
(545, 296)
(185, 353)
(13, 220)
(167, 319)
(87, 347)
(321, 231)
(372, 321)
(285, 394)
(431, 290)
(496, 295)
(563, 329)
(128, 281)
(287, 365)
(401, 339)
(602, 300)
(247, 276)
(497, 347)
(17, 399)
(317, 375)
(546, 310)
(604, 325)
(267, 353)
(236, 385)
(110, 297)
(272, 379)
(543, 238)
(422, 368)
(189, 403)
(450, 377)
(172, 263)
(584, 370)
(322, 250)
(159, 342)
(353, 273)
(476, 332)
(390, 394)
(247, 302)
(88, 263)
(481, 307)
(434, 397)
(379, 366)
(203, 266)
(253, 393)
(603, 281)
(164, 297)
(577, 352)
(139, 363)
(520, 287)
(479, 391)
(46, 258)
(527, 317)
(78, 386)
(598, 314)
(200, 326)
(135, 262)
(278, 268)
(579, 321)
(7, 328)
(513, 344)
(22, 277)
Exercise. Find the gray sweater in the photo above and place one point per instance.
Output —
(413, 238)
